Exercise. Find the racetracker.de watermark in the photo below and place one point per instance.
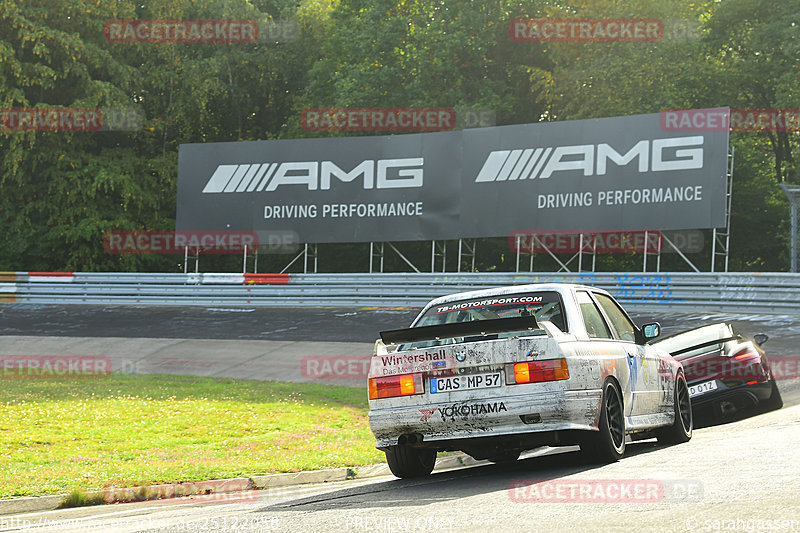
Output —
(752, 120)
(335, 366)
(176, 242)
(740, 367)
(54, 366)
(215, 491)
(181, 31)
(604, 490)
(378, 119)
(605, 242)
(75, 119)
(586, 30)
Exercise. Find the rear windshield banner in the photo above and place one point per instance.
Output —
(607, 174)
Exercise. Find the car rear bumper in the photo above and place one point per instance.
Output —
(487, 417)
(742, 396)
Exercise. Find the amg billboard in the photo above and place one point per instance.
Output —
(621, 173)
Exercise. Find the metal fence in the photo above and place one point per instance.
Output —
(706, 292)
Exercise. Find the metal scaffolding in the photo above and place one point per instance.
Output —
(793, 193)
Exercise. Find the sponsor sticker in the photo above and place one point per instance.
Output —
(462, 411)
(387, 365)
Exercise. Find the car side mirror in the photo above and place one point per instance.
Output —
(760, 338)
(651, 331)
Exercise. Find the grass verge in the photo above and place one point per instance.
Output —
(73, 435)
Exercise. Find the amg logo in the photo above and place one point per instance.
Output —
(507, 165)
(315, 175)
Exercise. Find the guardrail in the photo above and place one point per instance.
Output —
(706, 292)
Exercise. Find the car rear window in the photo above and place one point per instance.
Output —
(544, 305)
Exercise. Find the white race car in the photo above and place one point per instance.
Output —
(498, 371)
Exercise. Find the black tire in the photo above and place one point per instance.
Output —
(405, 461)
(608, 444)
(681, 429)
(774, 401)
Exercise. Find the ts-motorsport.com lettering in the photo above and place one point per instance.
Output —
(488, 303)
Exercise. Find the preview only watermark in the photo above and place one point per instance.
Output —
(750, 120)
(75, 119)
(54, 366)
(586, 30)
(199, 31)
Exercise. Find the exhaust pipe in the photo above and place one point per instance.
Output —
(410, 439)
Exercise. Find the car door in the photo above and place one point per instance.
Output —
(642, 363)
(607, 347)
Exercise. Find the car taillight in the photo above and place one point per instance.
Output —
(391, 386)
(537, 371)
(747, 354)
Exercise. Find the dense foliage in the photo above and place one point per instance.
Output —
(61, 191)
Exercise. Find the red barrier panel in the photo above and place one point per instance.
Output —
(266, 279)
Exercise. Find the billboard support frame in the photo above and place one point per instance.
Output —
(793, 194)
(470, 253)
(723, 239)
(380, 253)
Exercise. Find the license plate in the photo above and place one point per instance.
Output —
(468, 382)
(702, 388)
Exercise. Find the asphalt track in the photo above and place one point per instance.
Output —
(738, 476)
(276, 343)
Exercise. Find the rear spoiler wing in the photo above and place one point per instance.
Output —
(460, 329)
(683, 350)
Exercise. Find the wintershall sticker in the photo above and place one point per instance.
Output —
(181, 31)
(378, 119)
(586, 30)
(409, 362)
(176, 242)
(54, 366)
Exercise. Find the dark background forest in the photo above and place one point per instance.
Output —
(60, 192)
